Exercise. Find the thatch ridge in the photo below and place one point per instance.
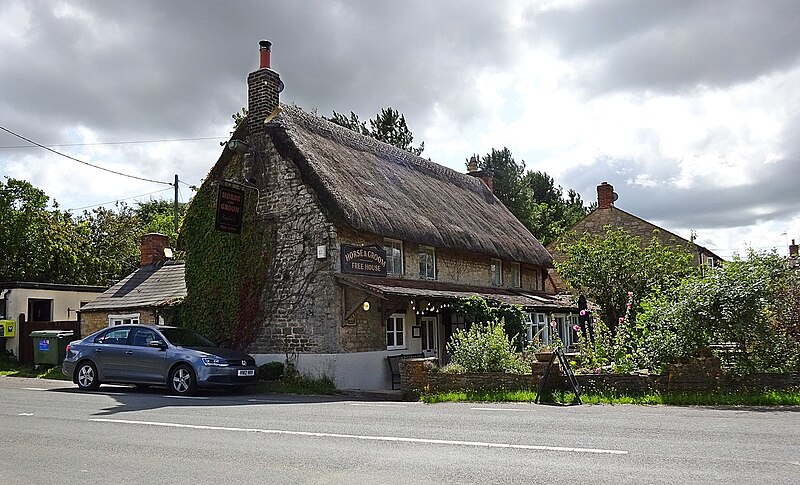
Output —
(375, 187)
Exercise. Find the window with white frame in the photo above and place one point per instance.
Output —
(394, 256)
(395, 332)
(537, 328)
(427, 262)
(497, 272)
(130, 319)
(516, 275)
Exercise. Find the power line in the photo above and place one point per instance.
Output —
(119, 142)
(116, 200)
(81, 161)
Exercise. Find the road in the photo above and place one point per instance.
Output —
(50, 432)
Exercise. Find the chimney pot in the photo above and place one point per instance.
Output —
(265, 49)
(793, 249)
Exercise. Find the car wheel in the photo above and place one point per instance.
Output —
(86, 376)
(182, 381)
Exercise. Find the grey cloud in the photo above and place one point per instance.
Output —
(673, 46)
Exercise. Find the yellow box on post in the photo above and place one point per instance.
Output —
(9, 328)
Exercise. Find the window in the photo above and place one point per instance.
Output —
(394, 256)
(2, 308)
(143, 336)
(117, 336)
(427, 262)
(537, 328)
(40, 310)
(497, 272)
(131, 319)
(395, 332)
(516, 280)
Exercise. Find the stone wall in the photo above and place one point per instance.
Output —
(92, 321)
(300, 307)
(451, 266)
(692, 375)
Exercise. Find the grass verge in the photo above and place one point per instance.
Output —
(11, 368)
(299, 384)
(739, 398)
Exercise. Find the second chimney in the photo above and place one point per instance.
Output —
(793, 250)
(152, 248)
(263, 87)
(485, 175)
(605, 196)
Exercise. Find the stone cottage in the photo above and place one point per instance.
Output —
(349, 250)
(607, 214)
(145, 296)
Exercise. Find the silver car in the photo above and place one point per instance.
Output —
(146, 355)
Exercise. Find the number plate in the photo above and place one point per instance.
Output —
(247, 372)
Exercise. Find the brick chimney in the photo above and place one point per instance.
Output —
(485, 175)
(152, 248)
(793, 250)
(605, 196)
(263, 87)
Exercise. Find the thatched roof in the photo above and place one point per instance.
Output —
(378, 188)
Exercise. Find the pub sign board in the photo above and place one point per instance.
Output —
(230, 203)
(363, 260)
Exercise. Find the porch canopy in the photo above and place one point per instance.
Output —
(394, 289)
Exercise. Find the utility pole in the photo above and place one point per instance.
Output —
(176, 203)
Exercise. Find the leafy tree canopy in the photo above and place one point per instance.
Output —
(606, 267)
(388, 126)
(45, 244)
(532, 197)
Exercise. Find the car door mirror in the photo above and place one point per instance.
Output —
(157, 344)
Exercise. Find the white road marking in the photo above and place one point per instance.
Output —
(34, 388)
(373, 405)
(200, 398)
(25, 414)
(502, 409)
(367, 438)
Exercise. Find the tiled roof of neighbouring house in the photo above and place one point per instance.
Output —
(148, 286)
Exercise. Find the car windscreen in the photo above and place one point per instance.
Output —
(183, 337)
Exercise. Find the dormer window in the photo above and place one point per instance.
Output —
(427, 262)
(497, 272)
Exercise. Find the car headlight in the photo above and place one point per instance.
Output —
(215, 361)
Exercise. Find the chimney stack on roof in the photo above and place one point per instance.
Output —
(263, 87)
(486, 175)
(605, 196)
(152, 248)
(793, 250)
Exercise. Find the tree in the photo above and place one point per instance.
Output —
(611, 268)
(552, 214)
(744, 303)
(508, 182)
(40, 244)
(388, 126)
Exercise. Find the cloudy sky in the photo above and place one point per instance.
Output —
(690, 109)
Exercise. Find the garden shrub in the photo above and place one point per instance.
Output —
(271, 371)
(486, 348)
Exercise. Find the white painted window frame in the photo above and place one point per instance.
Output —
(496, 268)
(395, 331)
(428, 252)
(127, 316)
(393, 244)
(516, 275)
